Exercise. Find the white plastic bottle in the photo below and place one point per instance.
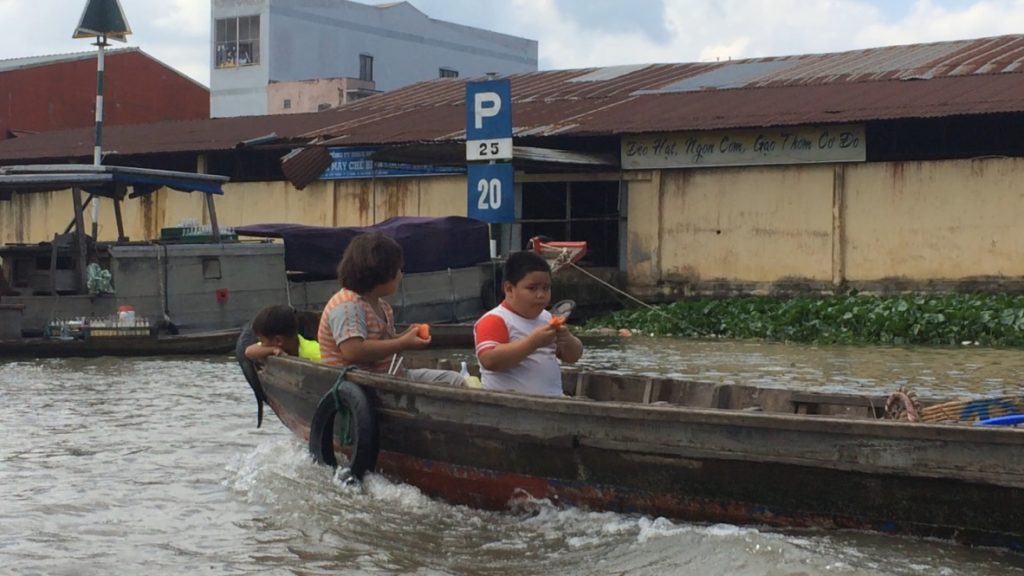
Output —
(471, 381)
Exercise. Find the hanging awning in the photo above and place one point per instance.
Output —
(106, 181)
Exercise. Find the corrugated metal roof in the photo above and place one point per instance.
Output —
(917, 81)
(46, 60)
(731, 75)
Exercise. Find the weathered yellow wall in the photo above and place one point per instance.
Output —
(32, 218)
(271, 202)
(643, 216)
(36, 217)
(746, 224)
(365, 202)
(935, 220)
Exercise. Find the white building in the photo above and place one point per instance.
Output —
(258, 43)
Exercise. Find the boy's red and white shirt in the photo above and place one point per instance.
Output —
(539, 373)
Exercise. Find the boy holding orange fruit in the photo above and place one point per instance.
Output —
(519, 342)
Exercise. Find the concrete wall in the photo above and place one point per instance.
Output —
(947, 225)
(745, 225)
(953, 220)
(308, 39)
(312, 95)
(643, 247)
(32, 218)
(241, 90)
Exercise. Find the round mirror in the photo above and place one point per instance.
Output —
(563, 308)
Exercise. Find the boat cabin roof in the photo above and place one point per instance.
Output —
(106, 181)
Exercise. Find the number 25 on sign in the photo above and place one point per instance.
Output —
(486, 149)
(491, 192)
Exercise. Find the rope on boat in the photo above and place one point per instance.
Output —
(639, 301)
(903, 405)
(344, 416)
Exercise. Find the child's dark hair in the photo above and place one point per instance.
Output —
(519, 264)
(275, 321)
(369, 261)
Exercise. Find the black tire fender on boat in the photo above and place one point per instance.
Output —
(246, 338)
(363, 428)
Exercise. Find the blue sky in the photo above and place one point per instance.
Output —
(572, 33)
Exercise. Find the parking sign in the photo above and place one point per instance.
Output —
(489, 120)
(491, 192)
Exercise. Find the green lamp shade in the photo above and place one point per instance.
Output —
(103, 18)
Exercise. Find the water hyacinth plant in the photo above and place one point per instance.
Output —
(941, 319)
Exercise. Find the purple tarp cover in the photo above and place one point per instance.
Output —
(429, 244)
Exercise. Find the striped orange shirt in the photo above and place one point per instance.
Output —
(347, 315)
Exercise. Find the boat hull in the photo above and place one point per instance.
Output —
(488, 450)
(212, 342)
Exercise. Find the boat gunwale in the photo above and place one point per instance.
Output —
(668, 412)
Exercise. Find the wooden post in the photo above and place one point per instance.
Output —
(118, 197)
(53, 264)
(838, 226)
(76, 196)
(72, 223)
(213, 218)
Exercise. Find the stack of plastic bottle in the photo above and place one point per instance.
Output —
(125, 324)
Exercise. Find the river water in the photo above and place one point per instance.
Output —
(154, 466)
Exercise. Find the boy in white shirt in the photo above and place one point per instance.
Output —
(517, 344)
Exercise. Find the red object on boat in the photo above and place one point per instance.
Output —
(559, 254)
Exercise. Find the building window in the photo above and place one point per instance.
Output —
(590, 211)
(323, 106)
(287, 104)
(448, 73)
(366, 67)
(237, 41)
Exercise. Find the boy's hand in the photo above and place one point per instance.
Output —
(411, 340)
(543, 336)
(562, 335)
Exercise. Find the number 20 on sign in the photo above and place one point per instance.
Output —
(491, 192)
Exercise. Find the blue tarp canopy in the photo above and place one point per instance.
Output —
(429, 244)
(107, 181)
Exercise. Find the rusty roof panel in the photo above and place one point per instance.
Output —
(916, 81)
(731, 75)
(609, 73)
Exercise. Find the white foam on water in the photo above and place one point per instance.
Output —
(345, 523)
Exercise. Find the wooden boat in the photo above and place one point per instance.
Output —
(185, 282)
(681, 449)
(209, 342)
(198, 278)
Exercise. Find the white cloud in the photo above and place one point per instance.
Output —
(177, 31)
(184, 16)
(928, 22)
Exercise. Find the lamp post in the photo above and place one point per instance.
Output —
(101, 19)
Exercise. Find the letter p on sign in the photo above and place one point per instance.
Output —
(485, 105)
(489, 120)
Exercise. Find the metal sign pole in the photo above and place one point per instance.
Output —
(97, 150)
(101, 19)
